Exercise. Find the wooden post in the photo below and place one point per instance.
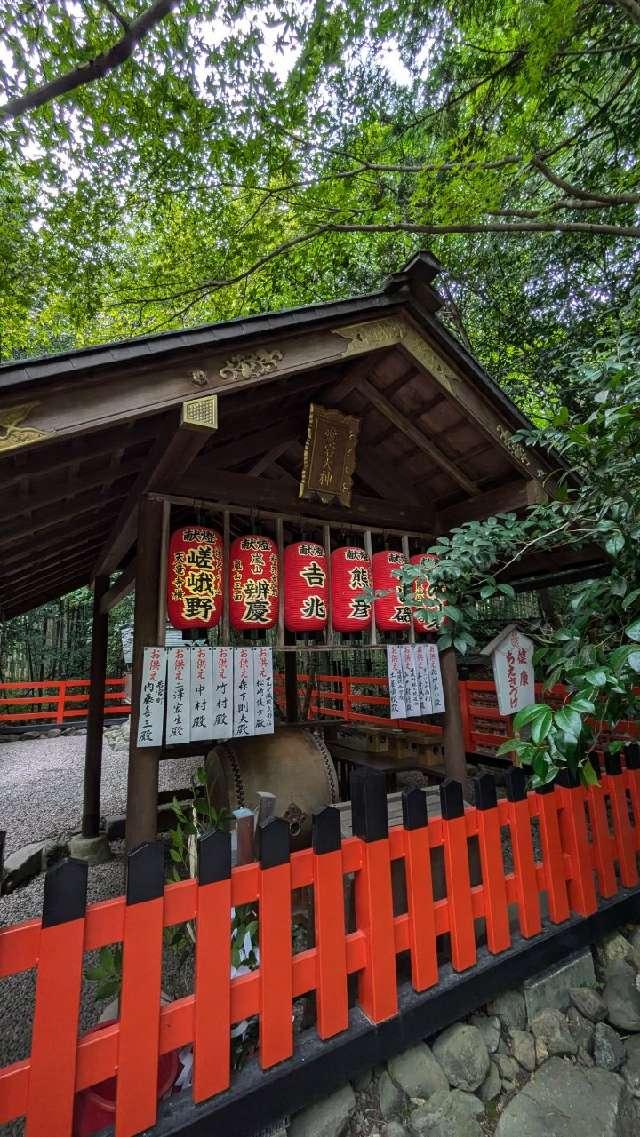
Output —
(148, 630)
(95, 712)
(454, 753)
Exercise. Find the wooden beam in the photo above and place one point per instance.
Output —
(64, 490)
(68, 513)
(254, 444)
(175, 450)
(15, 609)
(455, 762)
(52, 549)
(142, 785)
(419, 439)
(511, 497)
(125, 584)
(270, 457)
(373, 469)
(95, 712)
(202, 483)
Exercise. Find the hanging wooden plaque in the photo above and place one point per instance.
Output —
(329, 456)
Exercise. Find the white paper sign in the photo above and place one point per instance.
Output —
(435, 679)
(397, 706)
(513, 672)
(152, 695)
(201, 693)
(243, 693)
(422, 671)
(178, 723)
(222, 692)
(411, 691)
(263, 688)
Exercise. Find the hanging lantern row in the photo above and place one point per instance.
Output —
(195, 589)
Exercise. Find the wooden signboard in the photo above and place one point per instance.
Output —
(330, 455)
(512, 660)
(178, 722)
(422, 671)
(397, 706)
(243, 693)
(222, 669)
(435, 679)
(263, 690)
(201, 693)
(152, 697)
(410, 674)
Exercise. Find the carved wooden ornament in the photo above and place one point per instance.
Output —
(329, 455)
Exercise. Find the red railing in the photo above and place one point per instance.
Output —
(56, 700)
(586, 849)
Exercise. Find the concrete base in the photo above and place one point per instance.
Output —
(550, 988)
(93, 850)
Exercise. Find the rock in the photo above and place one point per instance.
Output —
(523, 1049)
(492, 1084)
(608, 1048)
(389, 1096)
(541, 1052)
(363, 1081)
(634, 938)
(552, 1029)
(446, 1114)
(463, 1055)
(589, 1003)
(550, 988)
(93, 850)
(393, 1129)
(581, 1029)
(418, 1073)
(54, 733)
(25, 863)
(327, 1118)
(584, 1058)
(563, 1100)
(631, 1068)
(489, 1027)
(510, 1009)
(507, 1066)
(615, 947)
(622, 996)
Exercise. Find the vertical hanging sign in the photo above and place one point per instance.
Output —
(178, 725)
(397, 707)
(201, 694)
(263, 687)
(152, 694)
(435, 679)
(410, 675)
(243, 693)
(422, 672)
(222, 692)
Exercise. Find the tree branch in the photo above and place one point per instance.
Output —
(94, 69)
(584, 195)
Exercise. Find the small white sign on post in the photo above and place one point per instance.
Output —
(397, 706)
(422, 672)
(410, 674)
(243, 693)
(201, 693)
(263, 688)
(222, 692)
(512, 660)
(152, 696)
(178, 723)
(435, 679)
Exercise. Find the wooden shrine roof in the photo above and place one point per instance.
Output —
(85, 433)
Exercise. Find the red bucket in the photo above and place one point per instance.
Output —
(95, 1107)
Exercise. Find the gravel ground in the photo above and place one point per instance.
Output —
(41, 797)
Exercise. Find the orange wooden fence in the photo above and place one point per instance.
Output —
(56, 700)
(588, 848)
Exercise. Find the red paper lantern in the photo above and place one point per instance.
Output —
(253, 583)
(194, 577)
(423, 594)
(350, 577)
(391, 613)
(305, 587)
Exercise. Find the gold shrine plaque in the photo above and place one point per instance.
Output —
(329, 455)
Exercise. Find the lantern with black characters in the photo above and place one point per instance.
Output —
(350, 589)
(391, 612)
(305, 587)
(194, 577)
(253, 583)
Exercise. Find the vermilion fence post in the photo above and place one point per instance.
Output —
(62, 695)
(602, 843)
(274, 921)
(331, 991)
(494, 886)
(377, 991)
(456, 866)
(632, 778)
(57, 1004)
(212, 1012)
(417, 861)
(136, 1091)
(522, 844)
(552, 855)
(575, 842)
(613, 784)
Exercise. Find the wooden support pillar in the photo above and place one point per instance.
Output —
(148, 631)
(95, 713)
(454, 752)
(291, 679)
